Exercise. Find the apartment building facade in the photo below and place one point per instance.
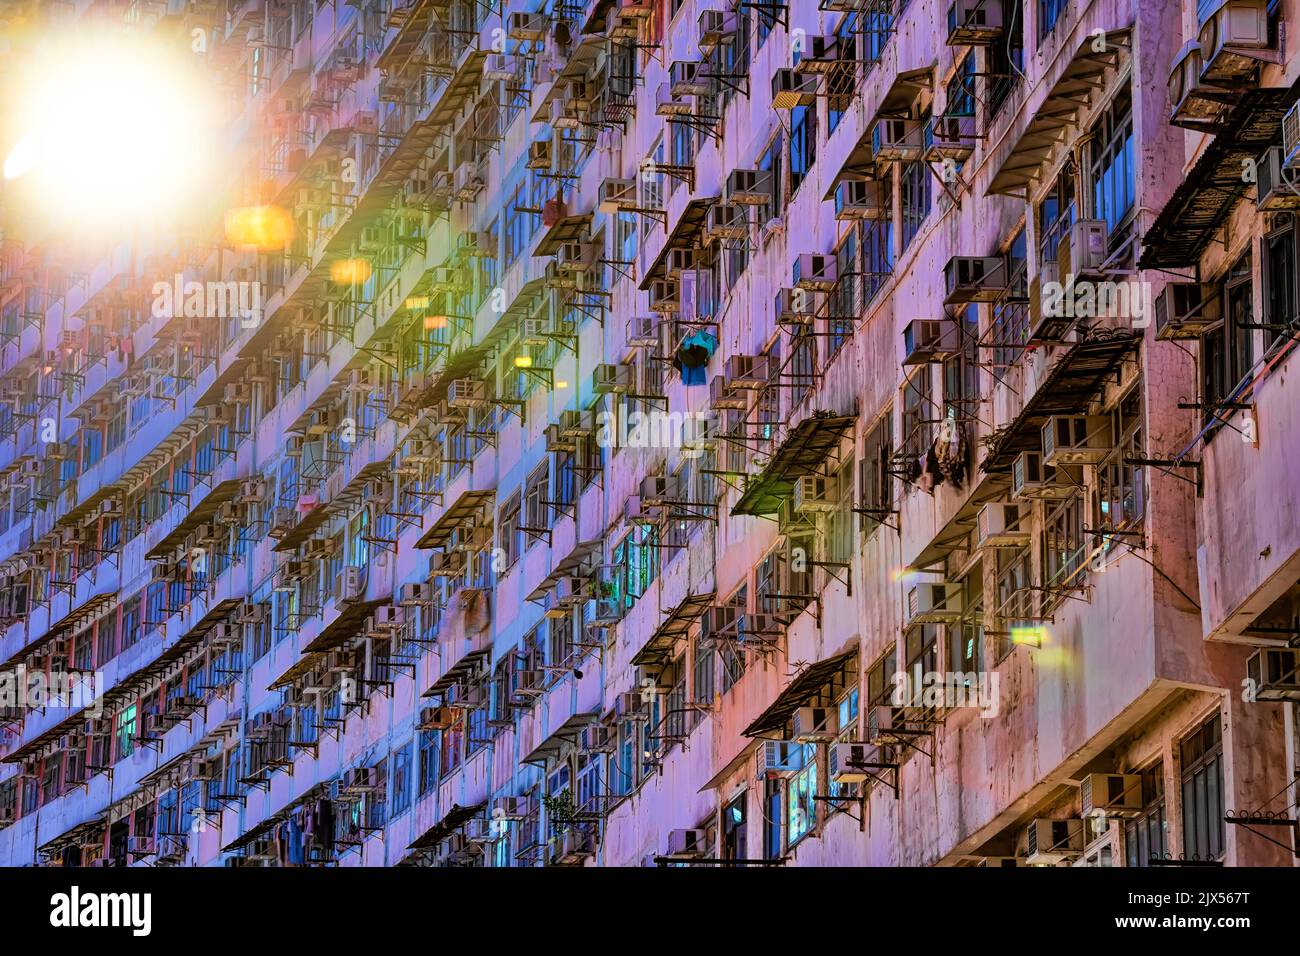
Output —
(672, 432)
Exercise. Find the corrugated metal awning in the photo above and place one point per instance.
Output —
(805, 449)
(1074, 381)
(823, 679)
(1207, 195)
(1074, 91)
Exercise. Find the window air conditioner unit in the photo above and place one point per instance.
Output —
(417, 594)
(725, 221)
(815, 272)
(539, 154)
(1184, 310)
(1032, 478)
(1275, 673)
(897, 140)
(846, 763)
(815, 493)
(611, 379)
(794, 307)
(371, 239)
(889, 726)
(1277, 187)
(687, 844)
(577, 424)
(722, 395)
(1076, 440)
(748, 187)
(666, 104)
(598, 739)
(643, 331)
(1082, 250)
(747, 371)
(998, 526)
(348, 585)
(1053, 841)
(576, 256)
(861, 199)
(467, 393)
(819, 55)
(436, 718)
(778, 758)
(974, 22)
(950, 136)
(1193, 104)
(715, 28)
(665, 296)
(975, 279)
(791, 89)
(934, 603)
(510, 808)
(615, 195)
(1291, 137)
(815, 724)
(498, 67)
(1117, 794)
(446, 564)
(930, 340)
(251, 613)
(685, 80)
(556, 441)
(526, 28)
(1234, 40)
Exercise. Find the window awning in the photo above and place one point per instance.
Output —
(597, 16)
(860, 164)
(453, 820)
(347, 625)
(1081, 80)
(352, 493)
(394, 57)
(305, 528)
(566, 733)
(1074, 381)
(200, 514)
(462, 509)
(1207, 195)
(577, 64)
(83, 614)
(906, 87)
(234, 372)
(461, 365)
(575, 228)
(956, 533)
(806, 448)
(571, 563)
(674, 627)
(129, 687)
(689, 226)
(823, 679)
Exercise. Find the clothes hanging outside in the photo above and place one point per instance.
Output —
(692, 357)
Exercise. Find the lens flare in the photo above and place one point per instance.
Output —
(111, 130)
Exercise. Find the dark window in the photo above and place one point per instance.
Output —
(1227, 350)
(1279, 285)
(1146, 837)
(1049, 11)
(1202, 762)
(876, 483)
(1114, 176)
(733, 830)
(803, 144)
(1006, 61)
